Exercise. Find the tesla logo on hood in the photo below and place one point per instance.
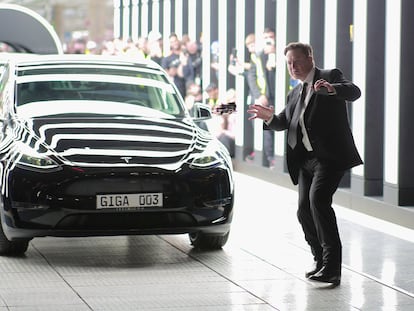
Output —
(126, 159)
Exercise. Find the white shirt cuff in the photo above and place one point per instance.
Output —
(270, 120)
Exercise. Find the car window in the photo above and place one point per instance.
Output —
(145, 90)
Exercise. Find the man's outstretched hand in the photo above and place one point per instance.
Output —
(260, 112)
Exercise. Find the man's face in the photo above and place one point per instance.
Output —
(175, 44)
(213, 94)
(194, 90)
(299, 65)
(251, 47)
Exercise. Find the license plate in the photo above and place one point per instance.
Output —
(136, 200)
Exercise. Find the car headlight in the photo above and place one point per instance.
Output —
(37, 161)
(31, 158)
(206, 161)
(210, 157)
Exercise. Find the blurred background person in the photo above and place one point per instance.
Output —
(193, 96)
(237, 67)
(212, 95)
(173, 63)
(192, 63)
(172, 71)
(154, 47)
(215, 51)
(227, 124)
(174, 51)
(261, 77)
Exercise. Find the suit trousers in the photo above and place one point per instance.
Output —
(268, 147)
(317, 183)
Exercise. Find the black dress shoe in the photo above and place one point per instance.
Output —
(317, 265)
(326, 276)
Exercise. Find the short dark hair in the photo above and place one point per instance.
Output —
(305, 48)
(211, 86)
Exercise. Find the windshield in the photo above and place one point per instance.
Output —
(133, 94)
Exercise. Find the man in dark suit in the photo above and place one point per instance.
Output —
(320, 148)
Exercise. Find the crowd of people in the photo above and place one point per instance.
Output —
(259, 71)
(181, 59)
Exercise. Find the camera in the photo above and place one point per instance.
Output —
(234, 54)
(225, 108)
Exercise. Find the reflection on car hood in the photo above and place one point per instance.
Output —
(120, 141)
(96, 108)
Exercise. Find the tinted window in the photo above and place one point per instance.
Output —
(134, 88)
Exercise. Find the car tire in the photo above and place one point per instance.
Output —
(12, 248)
(208, 241)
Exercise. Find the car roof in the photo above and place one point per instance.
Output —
(26, 59)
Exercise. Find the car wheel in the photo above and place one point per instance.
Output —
(15, 247)
(208, 241)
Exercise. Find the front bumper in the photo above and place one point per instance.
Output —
(63, 203)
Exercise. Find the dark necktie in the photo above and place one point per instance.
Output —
(294, 123)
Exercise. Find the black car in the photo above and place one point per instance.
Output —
(92, 145)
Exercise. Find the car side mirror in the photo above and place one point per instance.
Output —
(202, 112)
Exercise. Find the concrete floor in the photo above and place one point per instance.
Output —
(261, 268)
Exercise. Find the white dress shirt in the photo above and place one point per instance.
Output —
(309, 93)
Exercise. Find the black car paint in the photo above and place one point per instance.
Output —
(62, 201)
(46, 202)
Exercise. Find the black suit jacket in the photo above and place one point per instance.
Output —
(327, 124)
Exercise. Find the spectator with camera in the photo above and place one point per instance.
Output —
(261, 78)
(239, 67)
(174, 53)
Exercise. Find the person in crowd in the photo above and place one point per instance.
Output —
(213, 95)
(192, 63)
(154, 46)
(227, 123)
(222, 125)
(193, 96)
(320, 148)
(237, 67)
(172, 70)
(108, 48)
(173, 62)
(214, 61)
(261, 78)
(133, 51)
(174, 53)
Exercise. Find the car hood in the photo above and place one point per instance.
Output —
(119, 141)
